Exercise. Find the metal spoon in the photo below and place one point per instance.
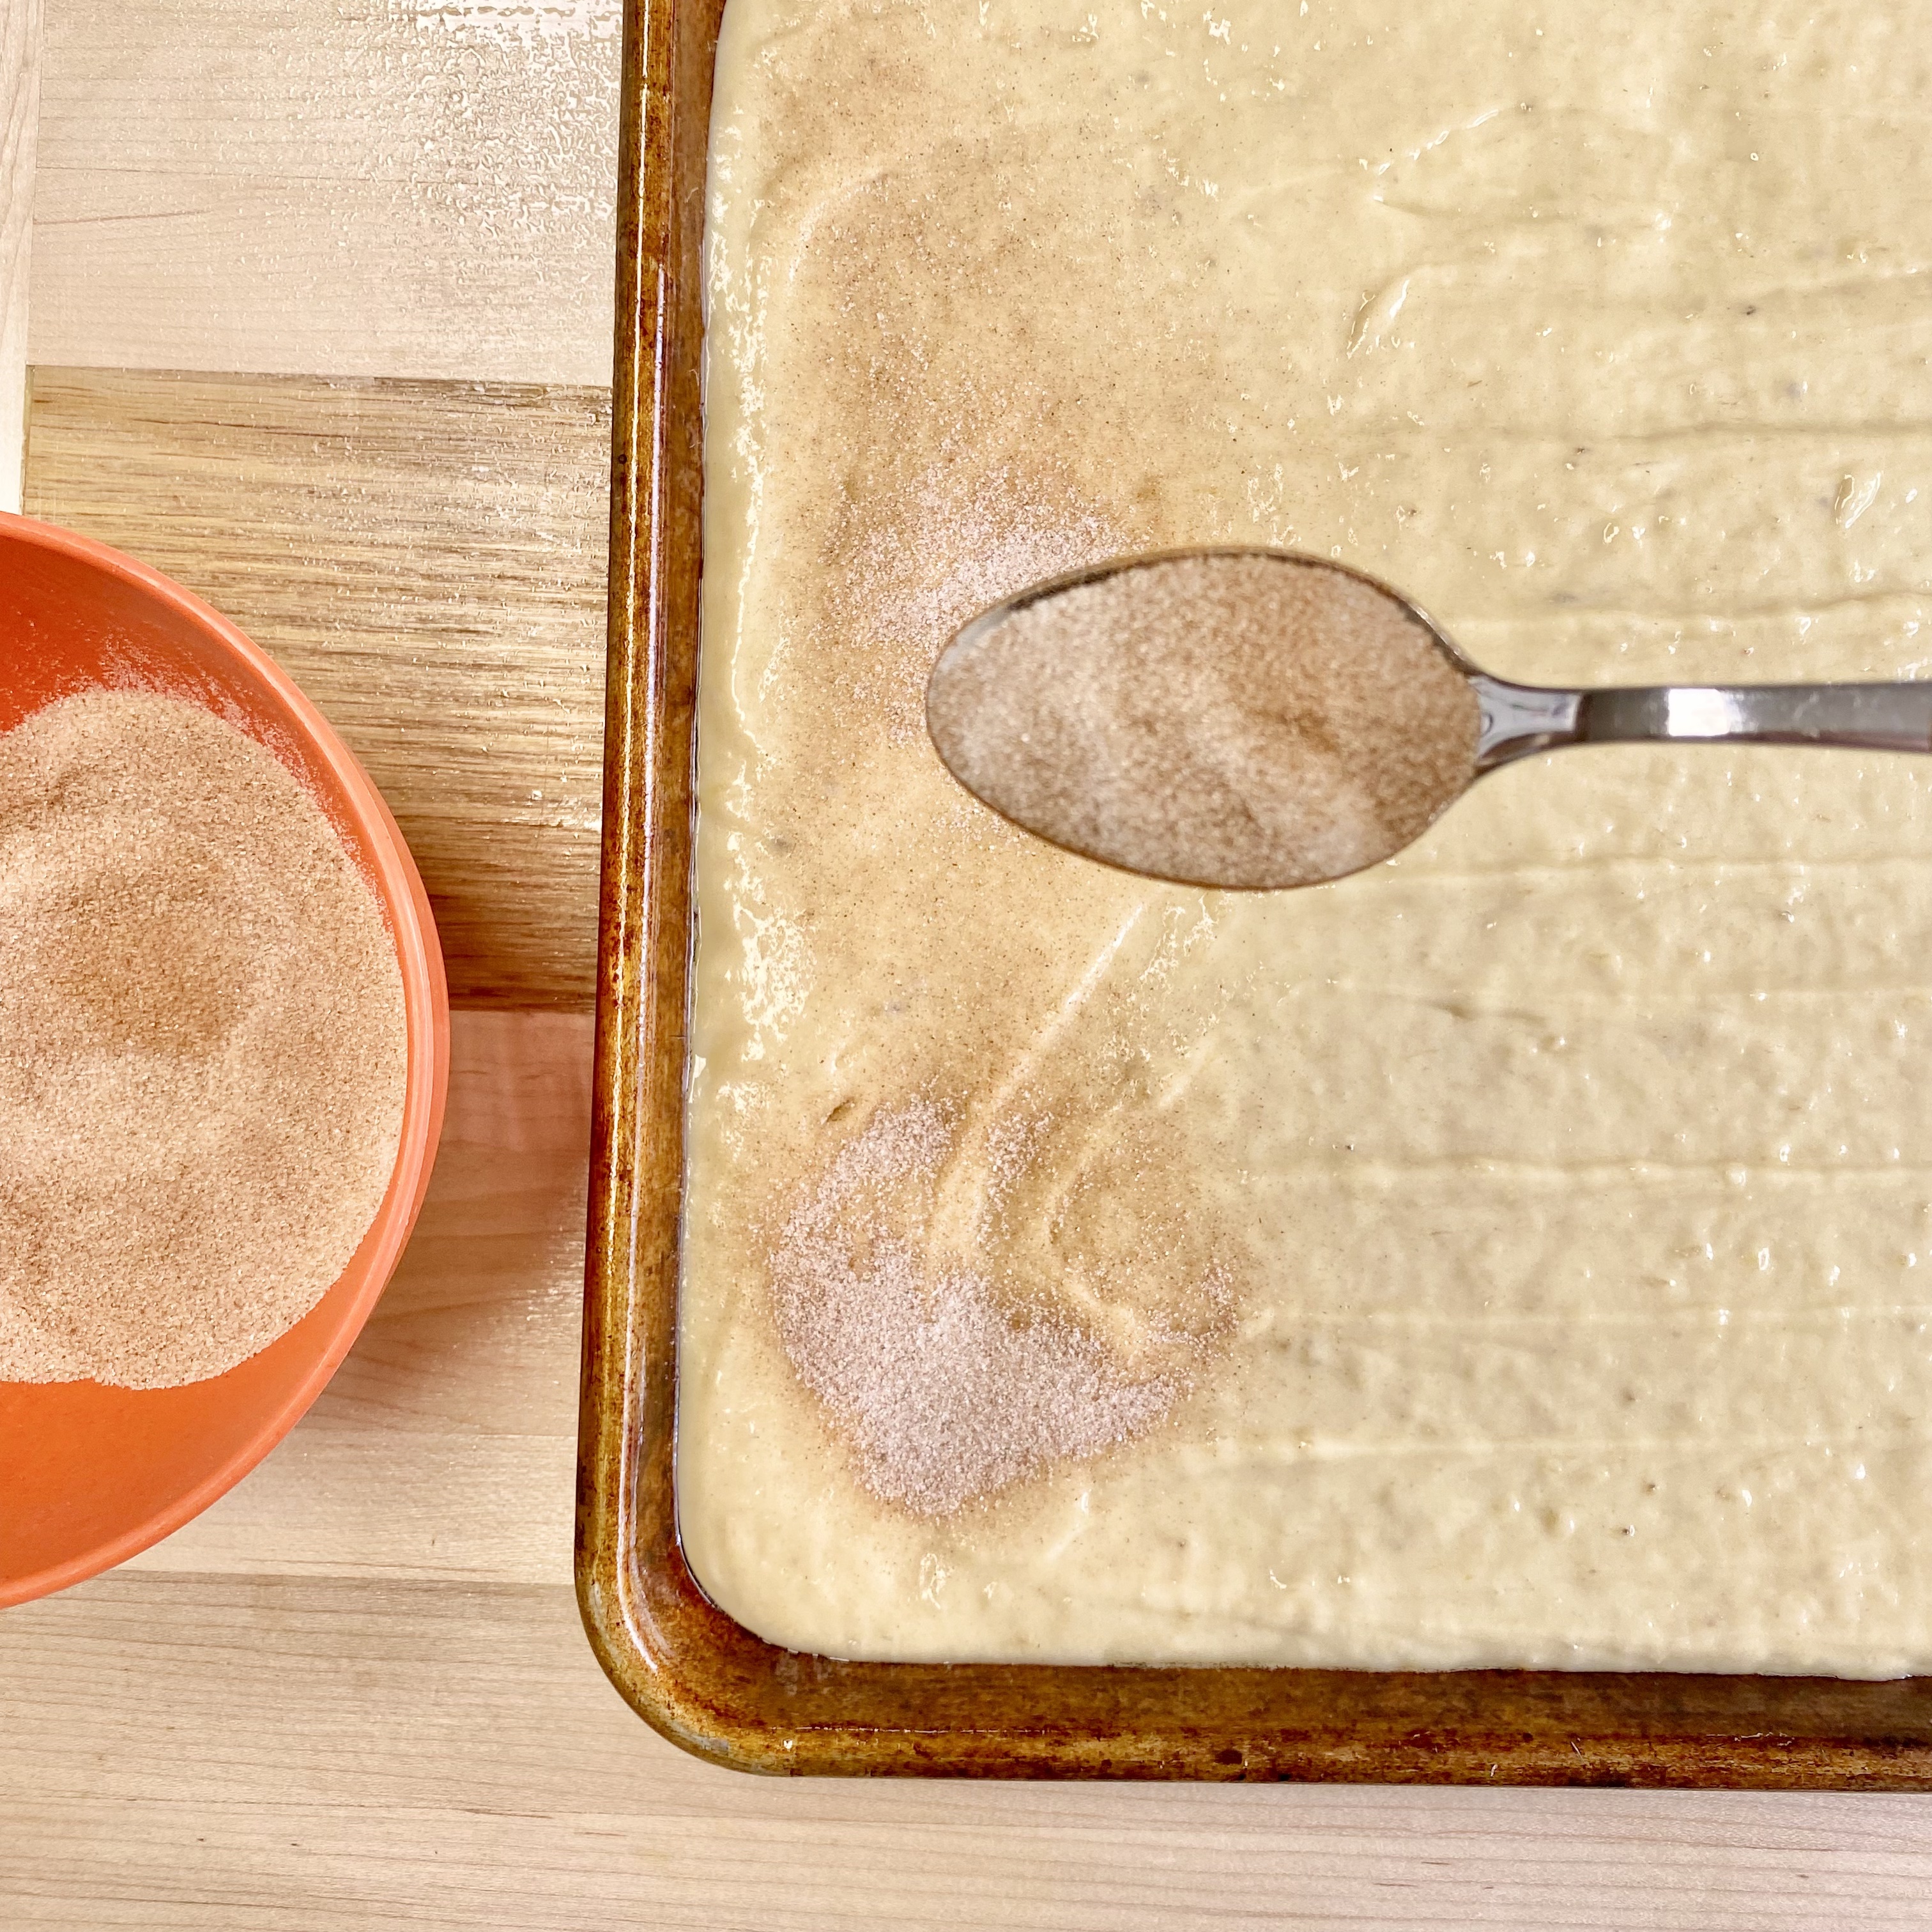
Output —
(1516, 720)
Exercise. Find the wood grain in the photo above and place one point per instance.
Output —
(427, 558)
(269, 1754)
(19, 114)
(375, 188)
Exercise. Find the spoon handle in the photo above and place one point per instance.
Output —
(1520, 719)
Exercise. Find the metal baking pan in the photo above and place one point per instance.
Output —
(704, 1681)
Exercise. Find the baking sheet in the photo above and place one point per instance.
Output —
(704, 1681)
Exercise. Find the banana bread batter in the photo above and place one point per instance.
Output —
(1519, 1253)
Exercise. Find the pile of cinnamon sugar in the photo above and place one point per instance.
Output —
(1236, 719)
(941, 1395)
(202, 1050)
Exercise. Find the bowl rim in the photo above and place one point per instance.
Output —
(426, 1004)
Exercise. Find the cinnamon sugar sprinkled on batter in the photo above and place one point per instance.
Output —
(942, 1394)
(1233, 719)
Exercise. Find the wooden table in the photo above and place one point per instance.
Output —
(319, 314)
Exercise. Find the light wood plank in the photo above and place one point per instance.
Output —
(221, 1752)
(427, 558)
(20, 113)
(380, 188)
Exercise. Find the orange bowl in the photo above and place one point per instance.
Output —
(89, 1474)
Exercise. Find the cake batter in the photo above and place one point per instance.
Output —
(1518, 1253)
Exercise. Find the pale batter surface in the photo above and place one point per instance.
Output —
(1518, 1253)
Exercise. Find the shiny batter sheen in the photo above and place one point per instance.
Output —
(1520, 1253)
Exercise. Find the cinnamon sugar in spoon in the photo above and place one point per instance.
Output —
(1259, 719)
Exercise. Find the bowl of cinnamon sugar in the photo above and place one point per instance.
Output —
(224, 1044)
